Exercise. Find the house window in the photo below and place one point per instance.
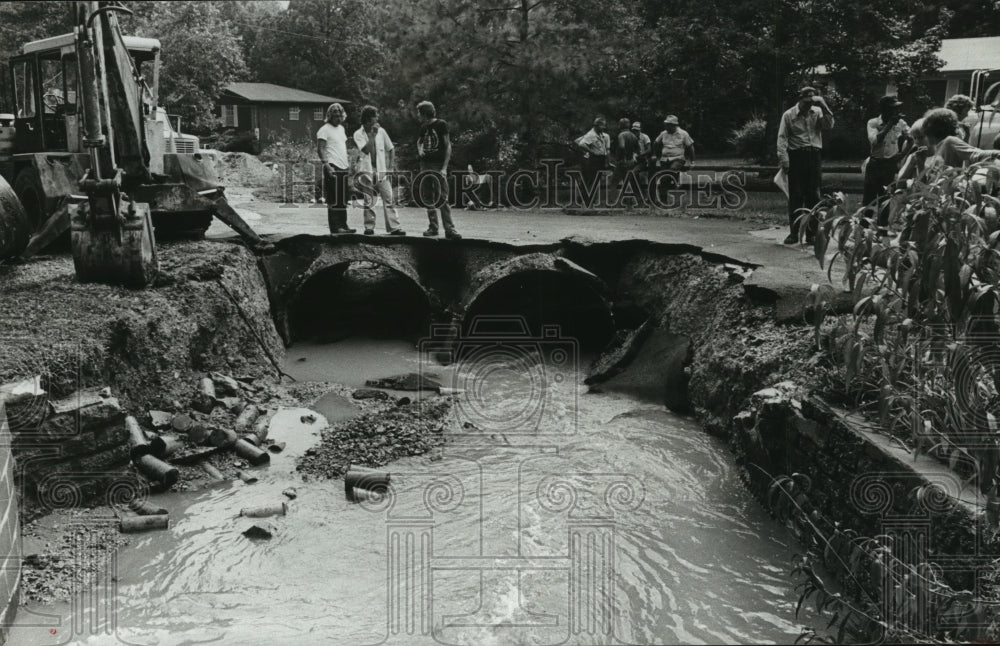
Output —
(317, 114)
(293, 114)
(229, 118)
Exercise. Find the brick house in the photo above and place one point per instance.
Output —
(273, 112)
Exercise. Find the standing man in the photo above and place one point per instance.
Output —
(645, 150)
(434, 152)
(376, 162)
(596, 145)
(673, 150)
(626, 151)
(884, 134)
(331, 144)
(800, 147)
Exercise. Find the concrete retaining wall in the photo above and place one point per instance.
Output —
(10, 537)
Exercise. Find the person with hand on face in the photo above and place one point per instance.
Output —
(434, 152)
(596, 146)
(331, 145)
(800, 147)
(884, 134)
(374, 168)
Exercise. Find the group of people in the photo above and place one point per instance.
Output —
(632, 151)
(376, 164)
(899, 152)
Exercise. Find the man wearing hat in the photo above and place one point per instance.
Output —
(673, 149)
(800, 147)
(885, 133)
(645, 150)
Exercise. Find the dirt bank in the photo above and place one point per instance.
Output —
(208, 310)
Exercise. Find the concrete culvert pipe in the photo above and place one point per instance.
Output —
(252, 454)
(158, 470)
(15, 231)
(277, 509)
(138, 444)
(132, 524)
(358, 477)
(165, 445)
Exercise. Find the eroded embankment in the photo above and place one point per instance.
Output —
(689, 334)
(208, 310)
(904, 534)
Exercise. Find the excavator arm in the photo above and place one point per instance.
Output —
(112, 235)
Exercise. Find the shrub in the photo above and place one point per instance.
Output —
(920, 347)
(749, 140)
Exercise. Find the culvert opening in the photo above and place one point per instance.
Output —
(542, 299)
(359, 299)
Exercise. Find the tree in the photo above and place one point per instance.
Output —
(734, 54)
(522, 66)
(201, 54)
(22, 22)
(329, 47)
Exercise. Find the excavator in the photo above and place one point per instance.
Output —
(86, 151)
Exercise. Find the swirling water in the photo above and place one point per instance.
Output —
(551, 516)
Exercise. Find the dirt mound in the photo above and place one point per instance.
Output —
(243, 170)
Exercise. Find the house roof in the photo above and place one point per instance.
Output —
(271, 93)
(967, 54)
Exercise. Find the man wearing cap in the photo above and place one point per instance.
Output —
(800, 147)
(596, 145)
(645, 150)
(673, 149)
(884, 134)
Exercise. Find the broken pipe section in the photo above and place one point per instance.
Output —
(360, 483)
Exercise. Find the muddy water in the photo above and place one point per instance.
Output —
(554, 517)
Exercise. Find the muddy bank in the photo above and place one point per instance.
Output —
(208, 310)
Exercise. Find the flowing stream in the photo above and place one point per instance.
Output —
(553, 516)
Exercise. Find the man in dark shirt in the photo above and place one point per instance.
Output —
(626, 152)
(434, 152)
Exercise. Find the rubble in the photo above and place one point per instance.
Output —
(261, 530)
(411, 381)
(378, 436)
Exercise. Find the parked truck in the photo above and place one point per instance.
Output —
(983, 121)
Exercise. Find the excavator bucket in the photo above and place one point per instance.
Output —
(14, 229)
(122, 254)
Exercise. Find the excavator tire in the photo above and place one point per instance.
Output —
(14, 229)
(29, 190)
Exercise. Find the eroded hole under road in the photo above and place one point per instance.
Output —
(543, 301)
(359, 299)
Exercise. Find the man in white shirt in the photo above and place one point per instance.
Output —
(673, 150)
(884, 134)
(374, 166)
(596, 146)
(800, 148)
(331, 145)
